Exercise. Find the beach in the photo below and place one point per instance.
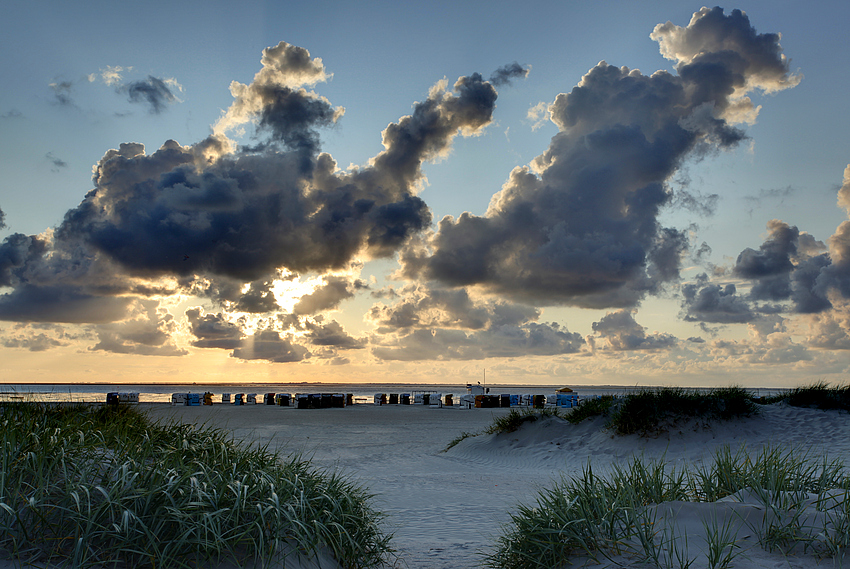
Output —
(445, 508)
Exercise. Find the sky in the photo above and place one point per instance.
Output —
(564, 193)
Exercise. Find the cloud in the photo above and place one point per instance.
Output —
(622, 333)
(327, 296)
(507, 73)
(147, 333)
(153, 91)
(2, 221)
(538, 114)
(209, 216)
(37, 337)
(285, 68)
(268, 345)
(12, 114)
(830, 330)
(712, 38)
(28, 303)
(530, 339)
(429, 307)
(580, 225)
(57, 163)
(332, 335)
(62, 92)
(445, 324)
(110, 75)
(213, 330)
(714, 303)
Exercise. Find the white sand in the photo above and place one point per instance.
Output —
(445, 508)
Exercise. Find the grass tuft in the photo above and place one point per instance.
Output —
(651, 411)
(601, 517)
(90, 486)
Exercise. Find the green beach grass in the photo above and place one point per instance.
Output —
(85, 486)
(604, 516)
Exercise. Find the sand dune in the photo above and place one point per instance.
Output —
(446, 507)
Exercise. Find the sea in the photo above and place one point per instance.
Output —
(361, 392)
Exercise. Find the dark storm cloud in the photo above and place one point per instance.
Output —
(213, 330)
(580, 227)
(152, 91)
(622, 333)
(507, 73)
(2, 222)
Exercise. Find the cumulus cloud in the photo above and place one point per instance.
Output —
(621, 332)
(208, 217)
(155, 92)
(37, 337)
(213, 330)
(147, 332)
(268, 345)
(437, 323)
(718, 304)
(580, 225)
(427, 307)
(2, 220)
(327, 296)
(332, 335)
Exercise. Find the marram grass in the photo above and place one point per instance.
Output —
(604, 516)
(86, 486)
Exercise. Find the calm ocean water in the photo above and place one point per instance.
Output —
(363, 392)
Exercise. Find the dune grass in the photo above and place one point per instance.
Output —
(805, 500)
(818, 395)
(88, 486)
(650, 411)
